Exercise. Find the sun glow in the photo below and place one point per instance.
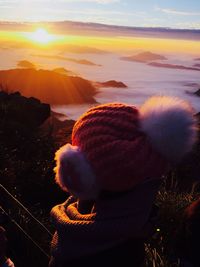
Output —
(41, 36)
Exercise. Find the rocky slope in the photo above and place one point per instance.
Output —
(25, 112)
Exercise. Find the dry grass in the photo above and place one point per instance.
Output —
(161, 248)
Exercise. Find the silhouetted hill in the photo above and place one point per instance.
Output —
(60, 130)
(85, 62)
(198, 94)
(172, 66)
(112, 83)
(144, 57)
(197, 65)
(23, 112)
(78, 61)
(48, 86)
(64, 71)
(192, 84)
(26, 64)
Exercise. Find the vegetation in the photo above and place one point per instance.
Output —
(27, 155)
(161, 248)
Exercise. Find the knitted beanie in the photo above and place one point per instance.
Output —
(116, 146)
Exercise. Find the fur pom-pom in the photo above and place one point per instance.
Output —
(74, 174)
(170, 125)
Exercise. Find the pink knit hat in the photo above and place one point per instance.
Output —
(116, 146)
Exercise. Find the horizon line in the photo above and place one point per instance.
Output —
(98, 23)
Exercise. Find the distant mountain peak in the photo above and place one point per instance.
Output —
(144, 57)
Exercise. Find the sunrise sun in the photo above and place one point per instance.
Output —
(41, 36)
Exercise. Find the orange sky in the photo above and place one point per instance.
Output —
(115, 44)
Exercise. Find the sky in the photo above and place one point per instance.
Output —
(141, 13)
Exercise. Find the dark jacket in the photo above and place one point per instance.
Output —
(126, 254)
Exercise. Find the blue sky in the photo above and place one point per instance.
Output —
(144, 13)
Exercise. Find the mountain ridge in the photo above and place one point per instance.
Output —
(48, 86)
(113, 30)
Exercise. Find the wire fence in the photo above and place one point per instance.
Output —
(29, 239)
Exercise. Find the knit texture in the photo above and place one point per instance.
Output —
(110, 222)
(119, 152)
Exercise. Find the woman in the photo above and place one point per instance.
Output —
(112, 171)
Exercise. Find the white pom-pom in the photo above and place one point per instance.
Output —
(74, 173)
(170, 125)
